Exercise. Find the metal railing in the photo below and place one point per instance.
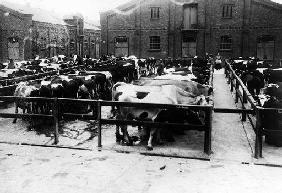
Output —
(242, 93)
(97, 105)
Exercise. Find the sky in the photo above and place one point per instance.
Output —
(88, 8)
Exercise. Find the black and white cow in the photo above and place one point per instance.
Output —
(161, 94)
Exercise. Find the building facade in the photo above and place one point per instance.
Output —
(49, 39)
(15, 35)
(185, 28)
(28, 32)
(92, 40)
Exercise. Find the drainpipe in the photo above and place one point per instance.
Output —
(140, 30)
(107, 34)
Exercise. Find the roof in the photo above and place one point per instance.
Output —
(123, 8)
(91, 25)
(10, 11)
(39, 14)
(270, 4)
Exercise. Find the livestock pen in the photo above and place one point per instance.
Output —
(250, 109)
(9, 85)
(96, 115)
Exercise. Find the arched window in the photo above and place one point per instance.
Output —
(225, 43)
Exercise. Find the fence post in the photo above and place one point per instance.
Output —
(236, 90)
(232, 85)
(56, 120)
(244, 97)
(99, 124)
(208, 128)
(258, 144)
(228, 78)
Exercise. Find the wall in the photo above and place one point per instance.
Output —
(49, 39)
(251, 18)
(15, 24)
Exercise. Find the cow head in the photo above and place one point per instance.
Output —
(202, 100)
(205, 90)
(273, 90)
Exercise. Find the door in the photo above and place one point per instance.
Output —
(14, 50)
(189, 44)
(265, 47)
(121, 46)
(188, 49)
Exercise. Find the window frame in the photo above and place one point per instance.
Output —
(225, 45)
(153, 44)
(155, 13)
(227, 11)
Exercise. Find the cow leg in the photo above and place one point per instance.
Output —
(158, 137)
(152, 132)
(16, 112)
(118, 135)
(126, 137)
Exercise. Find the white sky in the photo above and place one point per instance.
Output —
(88, 8)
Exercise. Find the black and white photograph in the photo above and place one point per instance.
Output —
(140, 96)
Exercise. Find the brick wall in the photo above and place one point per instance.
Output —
(92, 39)
(250, 19)
(14, 24)
(49, 39)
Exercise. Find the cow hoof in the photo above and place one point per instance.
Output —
(130, 143)
(135, 138)
(170, 139)
(160, 143)
(149, 148)
(14, 121)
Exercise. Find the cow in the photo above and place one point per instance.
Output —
(273, 75)
(24, 89)
(271, 120)
(188, 86)
(164, 94)
(254, 80)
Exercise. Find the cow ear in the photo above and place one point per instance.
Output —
(210, 91)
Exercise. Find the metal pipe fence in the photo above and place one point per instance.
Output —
(242, 93)
(56, 102)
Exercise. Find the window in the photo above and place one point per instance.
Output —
(190, 17)
(227, 11)
(85, 43)
(155, 43)
(121, 39)
(92, 43)
(155, 12)
(225, 43)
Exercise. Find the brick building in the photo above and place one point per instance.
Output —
(27, 32)
(92, 40)
(15, 34)
(185, 28)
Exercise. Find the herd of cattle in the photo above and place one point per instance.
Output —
(135, 80)
(263, 81)
(165, 82)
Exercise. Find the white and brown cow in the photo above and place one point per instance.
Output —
(161, 94)
(25, 89)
